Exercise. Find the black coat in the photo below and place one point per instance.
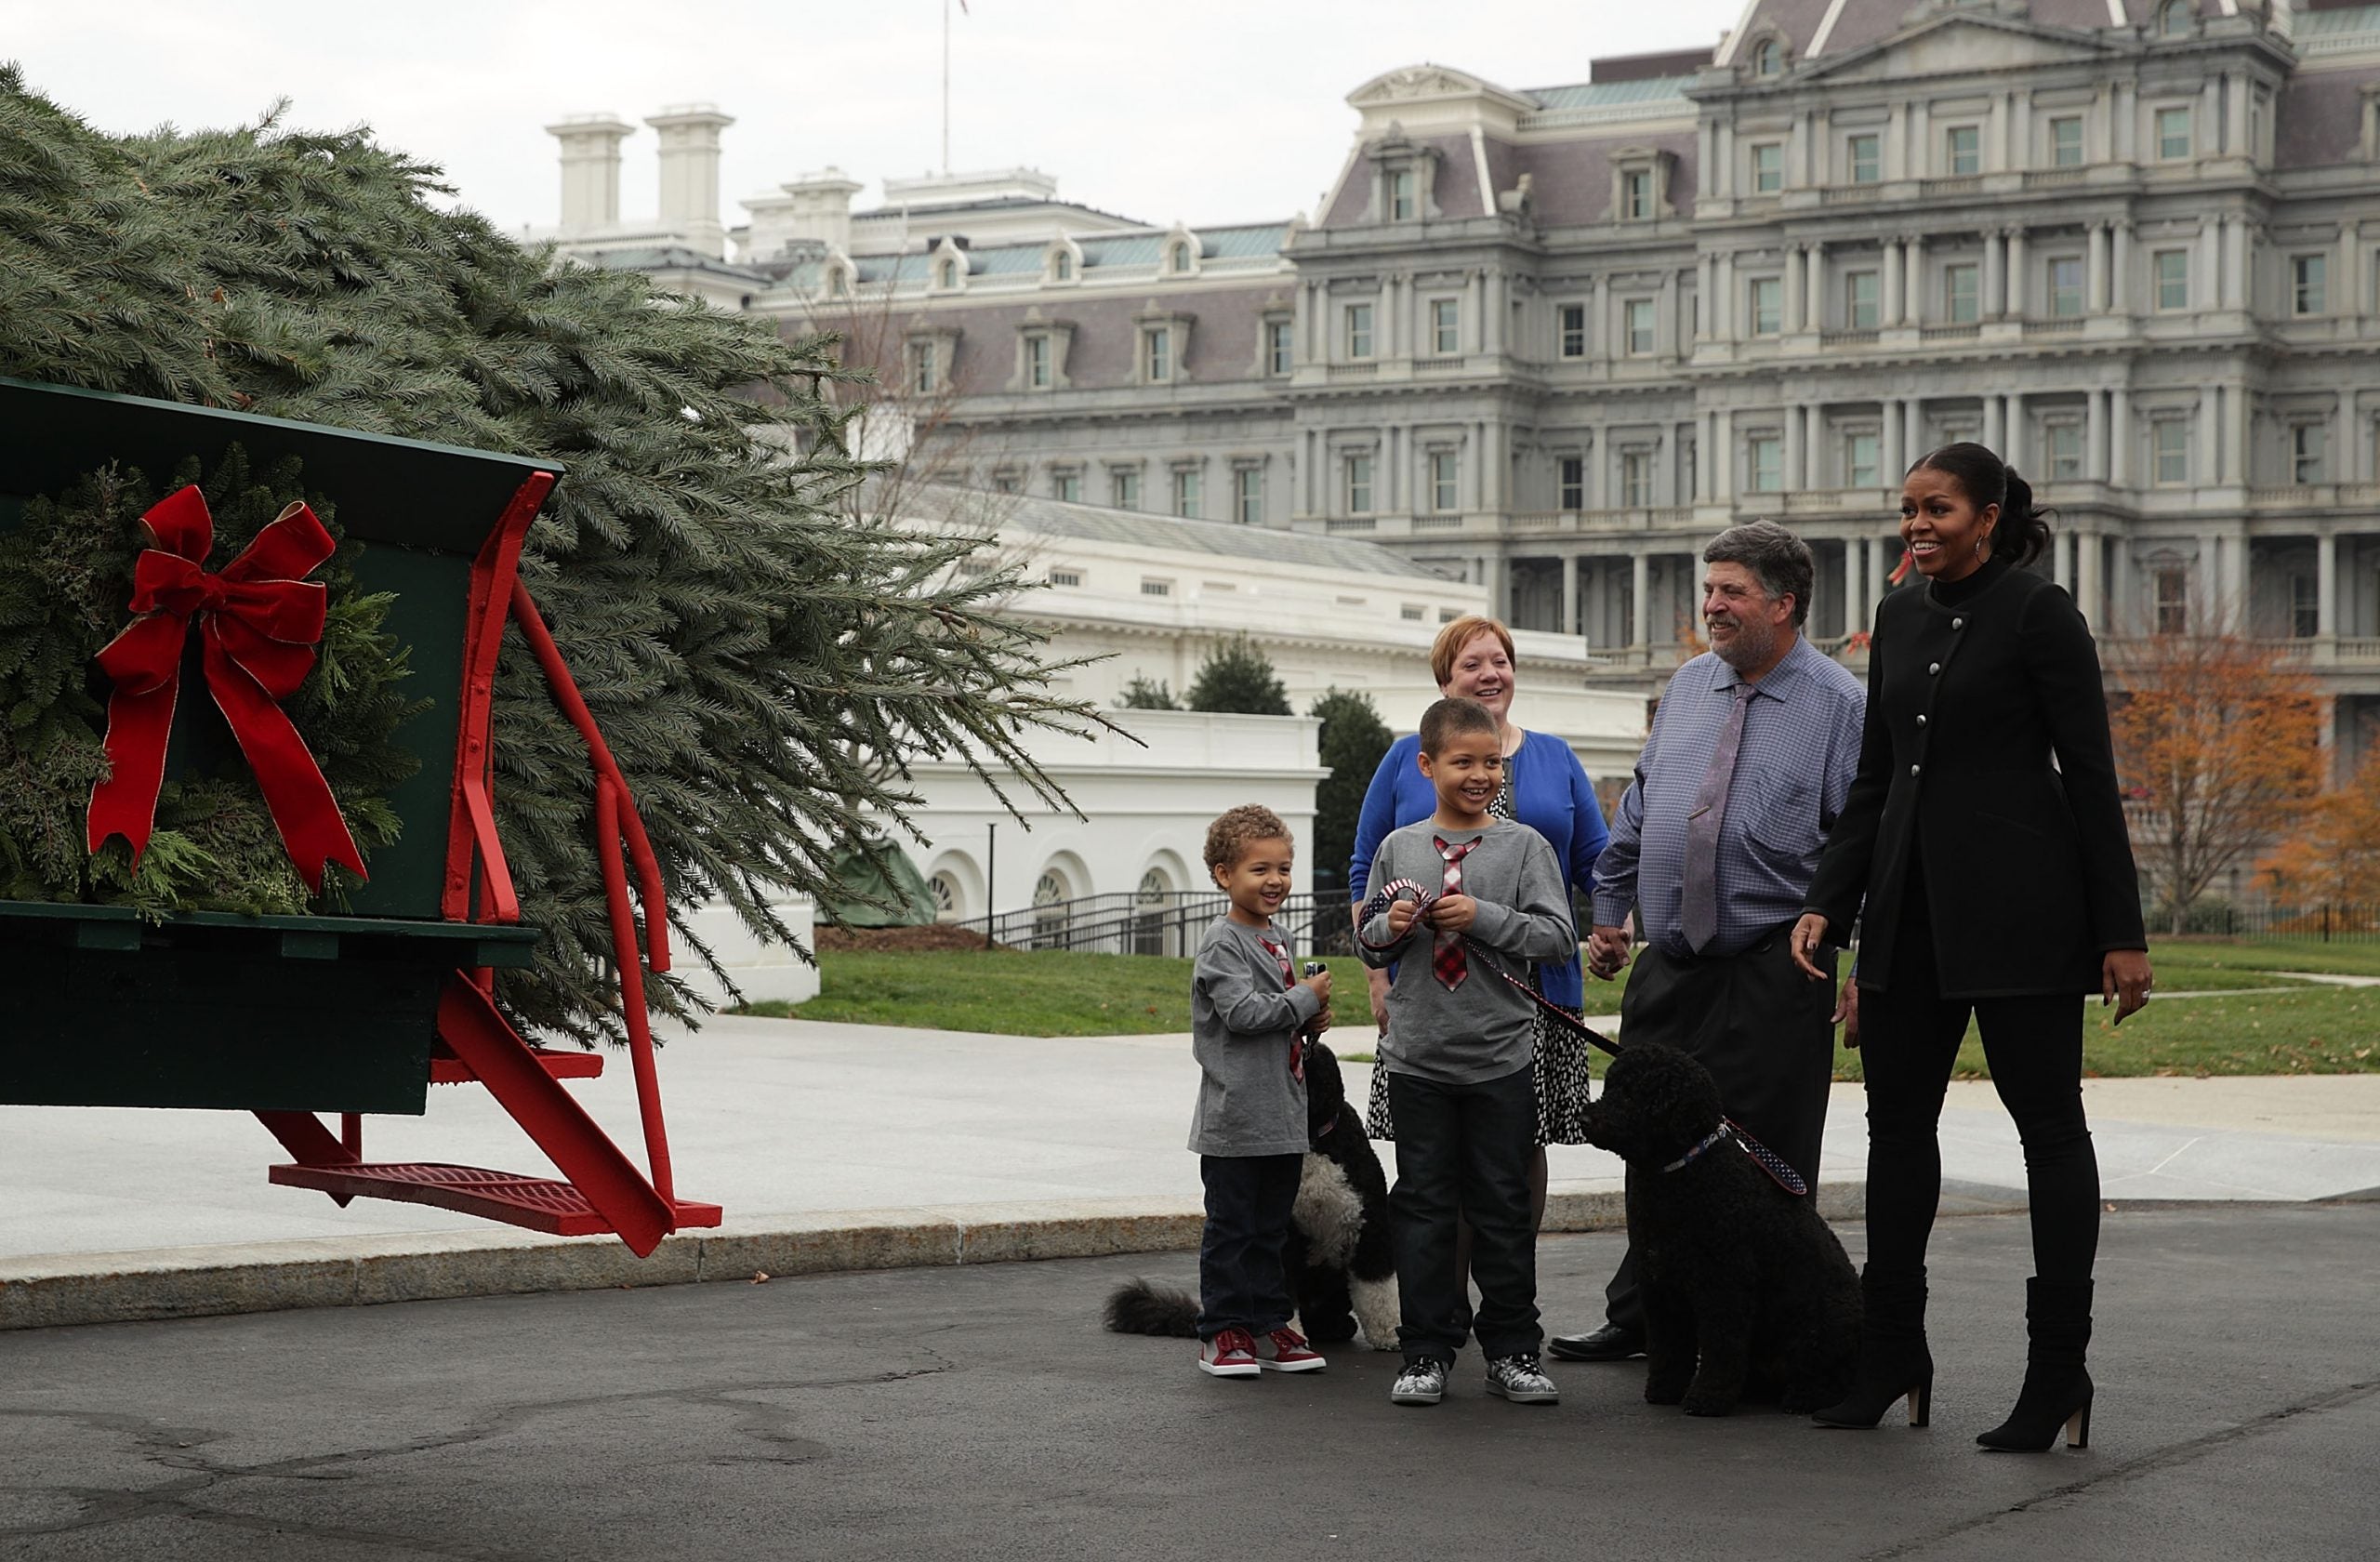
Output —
(2026, 863)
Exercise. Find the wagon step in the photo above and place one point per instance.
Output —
(536, 1203)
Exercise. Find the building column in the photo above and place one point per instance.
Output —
(1492, 310)
(1704, 296)
(2095, 435)
(1665, 316)
(1721, 309)
(2016, 289)
(1723, 472)
(1888, 443)
(1706, 458)
(2118, 436)
(1794, 466)
(2235, 263)
(1796, 288)
(1877, 584)
(1892, 279)
(1994, 431)
(1913, 442)
(2120, 270)
(1639, 585)
(2013, 445)
(2326, 585)
(1310, 466)
(1912, 291)
(2206, 434)
(2095, 270)
(2236, 413)
(1990, 301)
(2060, 572)
(2087, 593)
(1597, 456)
(1814, 271)
(1571, 624)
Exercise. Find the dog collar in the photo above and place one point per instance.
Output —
(1716, 1134)
(1323, 1132)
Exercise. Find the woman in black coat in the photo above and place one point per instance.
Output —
(1987, 840)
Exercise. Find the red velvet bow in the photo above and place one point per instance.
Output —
(258, 623)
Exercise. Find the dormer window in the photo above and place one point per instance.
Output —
(948, 274)
(1062, 269)
(1164, 343)
(1042, 346)
(838, 283)
(1401, 196)
(1403, 174)
(1156, 355)
(1767, 58)
(2175, 18)
(1640, 188)
(1177, 257)
(931, 354)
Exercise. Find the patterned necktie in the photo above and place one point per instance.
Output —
(1699, 910)
(1448, 960)
(1280, 953)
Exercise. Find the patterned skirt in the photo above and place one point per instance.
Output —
(1562, 1088)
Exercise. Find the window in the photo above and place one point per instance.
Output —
(1767, 464)
(1769, 167)
(2304, 607)
(1862, 459)
(1572, 321)
(1570, 473)
(1963, 149)
(1444, 466)
(1359, 330)
(1767, 306)
(1007, 483)
(1446, 327)
(2173, 19)
(1065, 578)
(1962, 293)
(1358, 470)
(1401, 203)
(925, 368)
(1124, 489)
(2170, 600)
(1859, 309)
(1637, 317)
(1277, 349)
(2307, 277)
(1067, 486)
(1635, 478)
(2066, 141)
(2065, 440)
(1157, 588)
(1865, 158)
(1247, 495)
(1036, 362)
(2173, 133)
(1410, 613)
(1177, 257)
(2309, 453)
(1188, 492)
(1156, 355)
(2169, 447)
(948, 274)
(1062, 267)
(2172, 267)
(1636, 195)
(2065, 286)
(1767, 58)
(945, 897)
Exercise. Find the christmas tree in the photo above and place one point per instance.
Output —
(763, 665)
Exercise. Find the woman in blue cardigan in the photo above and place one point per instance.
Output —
(1545, 789)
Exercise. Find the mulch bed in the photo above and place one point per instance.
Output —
(878, 941)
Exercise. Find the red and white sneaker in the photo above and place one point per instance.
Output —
(1231, 1355)
(1285, 1350)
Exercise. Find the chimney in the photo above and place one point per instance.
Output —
(591, 170)
(690, 173)
(821, 209)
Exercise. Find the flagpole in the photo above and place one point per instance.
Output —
(946, 86)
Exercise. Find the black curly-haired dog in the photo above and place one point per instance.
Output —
(1341, 1268)
(1742, 1278)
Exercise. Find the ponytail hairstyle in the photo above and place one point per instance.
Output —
(2022, 534)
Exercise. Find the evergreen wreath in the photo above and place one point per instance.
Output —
(65, 577)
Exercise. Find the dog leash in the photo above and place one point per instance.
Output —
(1768, 1160)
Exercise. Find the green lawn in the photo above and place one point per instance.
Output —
(2307, 1029)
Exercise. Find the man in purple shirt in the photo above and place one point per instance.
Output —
(1713, 848)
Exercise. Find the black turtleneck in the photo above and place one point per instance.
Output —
(1951, 593)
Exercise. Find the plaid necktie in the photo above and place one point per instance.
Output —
(1448, 960)
(1280, 953)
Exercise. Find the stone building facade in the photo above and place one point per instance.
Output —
(1549, 341)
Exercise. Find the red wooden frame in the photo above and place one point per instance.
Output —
(604, 1192)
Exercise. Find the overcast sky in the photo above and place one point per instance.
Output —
(1208, 111)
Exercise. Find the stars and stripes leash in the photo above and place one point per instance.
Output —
(1768, 1160)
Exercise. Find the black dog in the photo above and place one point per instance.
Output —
(1341, 1268)
(1739, 1276)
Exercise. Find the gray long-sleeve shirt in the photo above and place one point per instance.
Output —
(1480, 1029)
(1243, 1021)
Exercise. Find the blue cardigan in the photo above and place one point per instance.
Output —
(1551, 795)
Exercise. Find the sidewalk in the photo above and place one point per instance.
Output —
(939, 1146)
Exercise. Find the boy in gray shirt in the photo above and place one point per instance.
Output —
(1249, 1019)
(1458, 1050)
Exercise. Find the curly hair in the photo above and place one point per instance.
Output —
(1229, 836)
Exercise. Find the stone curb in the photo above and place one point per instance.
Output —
(71, 1288)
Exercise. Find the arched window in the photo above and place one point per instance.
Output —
(1152, 906)
(949, 273)
(1050, 895)
(2174, 17)
(1062, 267)
(1767, 58)
(1178, 257)
(838, 283)
(945, 897)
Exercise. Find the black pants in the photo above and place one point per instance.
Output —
(1462, 1153)
(1766, 1032)
(1909, 1041)
(1240, 1282)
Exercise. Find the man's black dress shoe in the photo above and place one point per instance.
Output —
(1610, 1342)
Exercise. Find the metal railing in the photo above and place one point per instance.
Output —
(1157, 923)
(2339, 923)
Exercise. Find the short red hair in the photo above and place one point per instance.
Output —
(1462, 632)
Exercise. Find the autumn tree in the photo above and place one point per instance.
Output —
(2334, 857)
(2216, 746)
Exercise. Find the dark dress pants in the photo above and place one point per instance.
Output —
(1462, 1153)
(1766, 1032)
(1240, 1281)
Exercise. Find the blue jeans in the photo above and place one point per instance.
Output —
(1240, 1282)
(1462, 1153)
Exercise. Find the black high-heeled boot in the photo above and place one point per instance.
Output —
(1894, 1362)
(2057, 1388)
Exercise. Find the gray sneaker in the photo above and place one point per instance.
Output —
(1521, 1380)
(1423, 1382)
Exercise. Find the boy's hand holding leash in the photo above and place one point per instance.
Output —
(1454, 913)
(1401, 917)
